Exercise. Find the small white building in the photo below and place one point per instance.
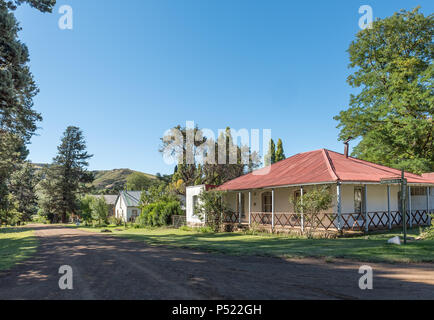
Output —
(192, 199)
(361, 200)
(127, 205)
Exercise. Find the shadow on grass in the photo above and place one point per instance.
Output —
(375, 250)
(16, 249)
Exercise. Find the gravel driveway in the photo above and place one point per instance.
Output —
(108, 267)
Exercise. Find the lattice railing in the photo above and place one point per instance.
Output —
(349, 221)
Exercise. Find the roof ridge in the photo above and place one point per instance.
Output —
(375, 165)
(330, 165)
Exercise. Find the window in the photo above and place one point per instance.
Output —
(358, 200)
(195, 202)
(418, 191)
(267, 202)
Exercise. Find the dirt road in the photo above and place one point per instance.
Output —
(108, 267)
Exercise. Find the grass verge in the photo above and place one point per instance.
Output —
(369, 248)
(16, 244)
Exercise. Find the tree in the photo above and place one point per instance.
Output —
(313, 202)
(218, 167)
(86, 209)
(271, 155)
(138, 181)
(17, 88)
(12, 153)
(280, 154)
(99, 209)
(393, 111)
(211, 208)
(22, 186)
(67, 177)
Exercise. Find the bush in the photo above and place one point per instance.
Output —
(40, 219)
(112, 220)
(158, 214)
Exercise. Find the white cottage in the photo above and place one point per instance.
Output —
(127, 205)
(361, 199)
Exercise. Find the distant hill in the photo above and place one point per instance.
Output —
(113, 180)
(106, 181)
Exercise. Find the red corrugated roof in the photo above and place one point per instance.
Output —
(320, 166)
(429, 176)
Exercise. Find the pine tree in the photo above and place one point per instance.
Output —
(22, 186)
(67, 175)
(280, 154)
(271, 155)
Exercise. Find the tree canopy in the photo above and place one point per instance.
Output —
(393, 111)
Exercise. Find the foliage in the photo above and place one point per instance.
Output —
(211, 207)
(99, 209)
(158, 213)
(201, 161)
(22, 186)
(157, 193)
(67, 177)
(313, 202)
(280, 154)
(86, 209)
(112, 220)
(138, 181)
(9, 214)
(393, 111)
(271, 155)
(38, 218)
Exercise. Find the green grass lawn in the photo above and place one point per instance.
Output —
(365, 248)
(16, 244)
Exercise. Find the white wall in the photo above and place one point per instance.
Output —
(123, 212)
(190, 193)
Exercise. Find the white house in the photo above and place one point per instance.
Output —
(127, 205)
(192, 198)
(361, 200)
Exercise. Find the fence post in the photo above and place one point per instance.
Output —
(339, 205)
(388, 207)
(428, 205)
(365, 205)
(250, 208)
(272, 208)
(409, 207)
(239, 207)
(302, 212)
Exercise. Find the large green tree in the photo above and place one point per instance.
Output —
(22, 186)
(18, 119)
(67, 177)
(393, 111)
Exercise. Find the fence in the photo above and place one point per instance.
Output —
(179, 221)
(348, 221)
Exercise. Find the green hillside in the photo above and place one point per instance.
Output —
(106, 181)
(113, 180)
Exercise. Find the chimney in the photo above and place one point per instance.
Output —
(347, 146)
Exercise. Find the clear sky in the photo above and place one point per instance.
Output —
(130, 70)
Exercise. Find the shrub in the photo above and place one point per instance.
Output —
(158, 214)
(40, 219)
(112, 220)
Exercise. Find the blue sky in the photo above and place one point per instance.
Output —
(130, 70)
